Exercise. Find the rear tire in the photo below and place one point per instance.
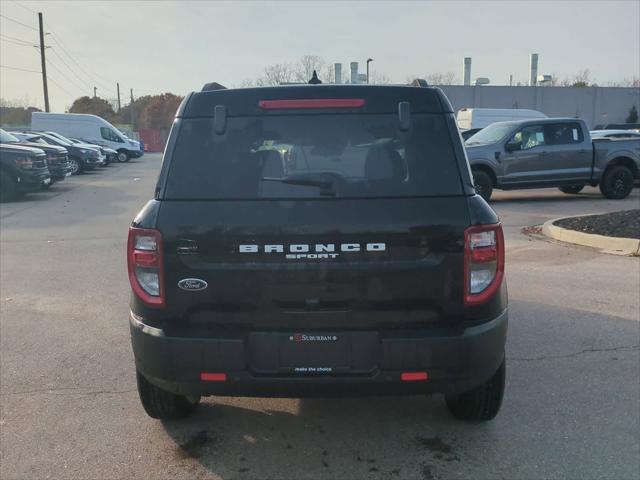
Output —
(161, 404)
(483, 183)
(123, 156)
(617, 182)
(571, 189)
(483, 402)
(8, 188)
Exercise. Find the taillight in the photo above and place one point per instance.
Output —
(483, 262)
(24, 163)
(144, 259)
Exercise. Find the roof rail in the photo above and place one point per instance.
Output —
(419, 82)
(209, 87)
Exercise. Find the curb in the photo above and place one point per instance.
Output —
(612, 245)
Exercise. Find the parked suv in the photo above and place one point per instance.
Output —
(22, 169)
(57, 159)
(317, 239)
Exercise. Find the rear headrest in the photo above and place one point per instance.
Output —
(272, 164)
(384, 164)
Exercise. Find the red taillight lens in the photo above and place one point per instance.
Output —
(144, 260)
(311, 103)
(483, 262)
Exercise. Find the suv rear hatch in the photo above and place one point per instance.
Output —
(312, 215)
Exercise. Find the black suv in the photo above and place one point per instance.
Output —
(22, 169)
(315, 240)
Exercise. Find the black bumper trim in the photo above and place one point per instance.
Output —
(454, 364)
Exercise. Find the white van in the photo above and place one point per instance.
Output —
(88, 128)
(477, 118)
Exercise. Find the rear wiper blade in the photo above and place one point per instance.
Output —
(326, 186)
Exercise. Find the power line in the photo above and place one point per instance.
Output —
(61, 87)
(20, 69)
(19, 23)
(85, 71)
(67, 65)
(17, 39)
(84, 88)
(25, 7)
(17, 43)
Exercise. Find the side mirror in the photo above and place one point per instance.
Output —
(220, 119)
(404, 116)
(513, 146)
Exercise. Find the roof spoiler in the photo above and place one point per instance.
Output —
(419, 82)
(210, 87)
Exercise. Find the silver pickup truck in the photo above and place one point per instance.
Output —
(551, 152)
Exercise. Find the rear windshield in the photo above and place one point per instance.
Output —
(313, 156)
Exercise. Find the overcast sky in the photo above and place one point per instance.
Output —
(154, 46)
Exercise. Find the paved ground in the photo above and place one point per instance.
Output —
(69, 408)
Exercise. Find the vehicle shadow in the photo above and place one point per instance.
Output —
(415, 436)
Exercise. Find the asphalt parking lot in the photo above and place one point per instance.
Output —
(69, 406)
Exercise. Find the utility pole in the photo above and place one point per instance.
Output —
(118, 86)
(95, 89)
(131, 109)
(44, 64)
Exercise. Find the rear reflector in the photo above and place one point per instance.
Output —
(213, 377)
(413, 376)
(312, 103)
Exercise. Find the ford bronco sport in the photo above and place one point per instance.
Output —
(312, 240)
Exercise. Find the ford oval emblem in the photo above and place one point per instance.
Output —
(192, 284)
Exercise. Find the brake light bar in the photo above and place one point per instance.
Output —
(311, 103)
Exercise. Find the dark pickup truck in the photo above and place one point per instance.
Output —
(315, 240)
(57, 158)
(22, 169)
(551, 152)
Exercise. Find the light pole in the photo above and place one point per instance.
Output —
(369, 60)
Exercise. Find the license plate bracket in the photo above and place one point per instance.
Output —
(313, 353)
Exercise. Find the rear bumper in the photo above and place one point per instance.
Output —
(453, 364)
(30, 181)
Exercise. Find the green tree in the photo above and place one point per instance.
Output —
(95, 106)
(633, 115)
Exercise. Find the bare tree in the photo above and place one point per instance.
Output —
(440, 78)
(582, 78)
(276, 74)
(379, 79)
(303, 69)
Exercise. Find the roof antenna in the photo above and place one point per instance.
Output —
(314, 79)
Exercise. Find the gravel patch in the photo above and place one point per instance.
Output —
(625, 224)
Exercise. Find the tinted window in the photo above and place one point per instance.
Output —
(313, 156)
(563, 134)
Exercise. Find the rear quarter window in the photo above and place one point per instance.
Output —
(312, 156)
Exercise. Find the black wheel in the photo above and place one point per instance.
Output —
(617, 182)
(483, 402)
(8, 187)
(75, 165)
(161, 404)
(123, 156)
(483, 183)
(571, 189)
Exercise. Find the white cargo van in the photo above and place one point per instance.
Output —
(87, 127)
(477, 118)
